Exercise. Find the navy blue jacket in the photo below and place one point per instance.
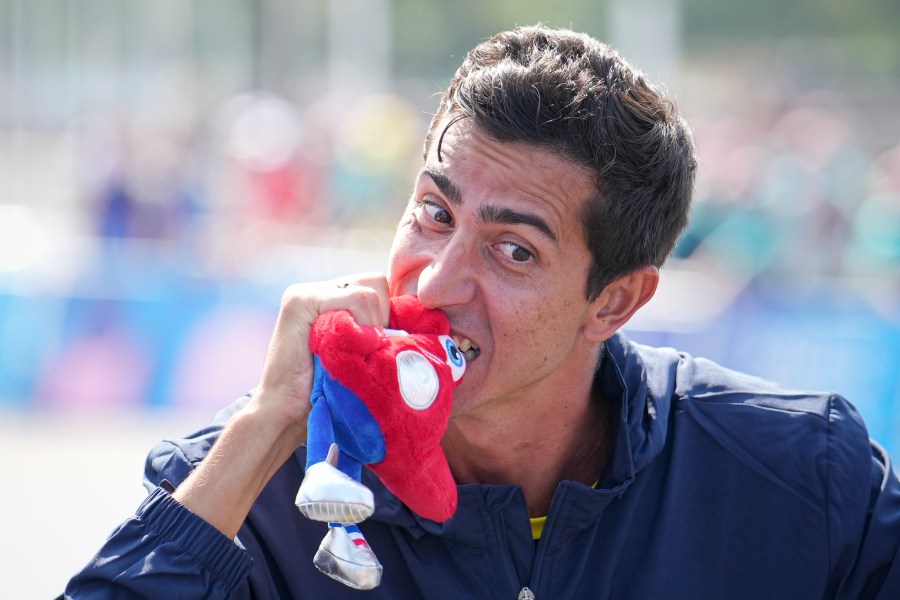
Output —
(721, 485)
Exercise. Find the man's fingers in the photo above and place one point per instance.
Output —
(365, 295)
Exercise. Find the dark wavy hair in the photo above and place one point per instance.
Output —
(572, 94)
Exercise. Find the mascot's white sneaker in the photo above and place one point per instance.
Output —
(327, 494)
(345, 555)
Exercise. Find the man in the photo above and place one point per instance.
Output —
(555, 182)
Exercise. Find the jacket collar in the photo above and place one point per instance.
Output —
(640, 382)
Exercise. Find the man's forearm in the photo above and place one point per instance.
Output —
(225, 485)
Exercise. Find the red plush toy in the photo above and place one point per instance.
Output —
(382, 398)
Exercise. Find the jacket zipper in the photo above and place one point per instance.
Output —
(524, 593)
(537, 561)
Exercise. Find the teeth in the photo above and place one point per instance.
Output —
(471, 354)
(465, 345)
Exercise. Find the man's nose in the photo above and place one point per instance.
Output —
(448, 279)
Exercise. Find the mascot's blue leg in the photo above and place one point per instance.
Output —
(319, 425)
(320, 433)
(349, 465)
(321, 429)
(328, 493)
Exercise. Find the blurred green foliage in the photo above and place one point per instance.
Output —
(709, 21)
(431, 36)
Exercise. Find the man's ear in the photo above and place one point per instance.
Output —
(618, 301)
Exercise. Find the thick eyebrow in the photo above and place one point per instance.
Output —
(492, 214)
(489, 213)
(447, 187)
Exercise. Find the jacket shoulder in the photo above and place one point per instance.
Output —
(703, 386)
(814, 444)
(812, 447)
(805, 441)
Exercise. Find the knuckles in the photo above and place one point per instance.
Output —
(366, 297)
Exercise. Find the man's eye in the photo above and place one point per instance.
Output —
(437, 213)
(515, 252)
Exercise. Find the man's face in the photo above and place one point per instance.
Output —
(493, 237)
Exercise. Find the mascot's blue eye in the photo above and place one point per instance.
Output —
(454, 353)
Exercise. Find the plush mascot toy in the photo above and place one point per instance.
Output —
(382, 398)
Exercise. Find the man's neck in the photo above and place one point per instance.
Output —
(563, 440)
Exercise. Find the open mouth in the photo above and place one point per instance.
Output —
(465, 345)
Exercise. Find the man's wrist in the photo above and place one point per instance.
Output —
(279, 424)
(253, 445)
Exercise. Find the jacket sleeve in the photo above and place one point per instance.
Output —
(864, 534)
(163, 548)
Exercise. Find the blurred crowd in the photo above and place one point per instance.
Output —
(257, 173)
(802, 198)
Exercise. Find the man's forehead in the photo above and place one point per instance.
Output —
(551, 170)
(458, 134)
(461, 124)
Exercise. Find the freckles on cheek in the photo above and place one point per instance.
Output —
(526, 326)
(546, 321)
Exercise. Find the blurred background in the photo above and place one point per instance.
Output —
(167, 167)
